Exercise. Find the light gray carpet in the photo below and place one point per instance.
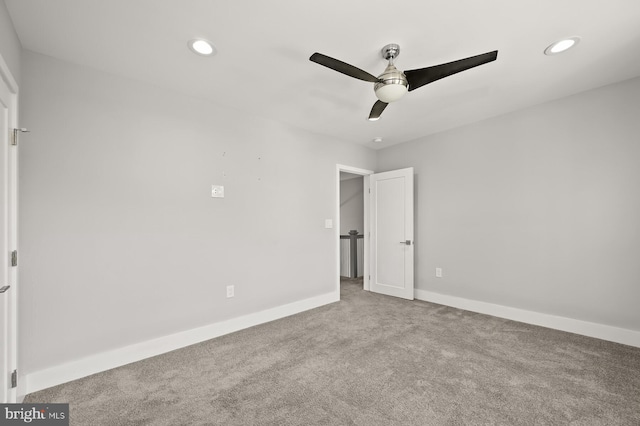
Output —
(370, 360)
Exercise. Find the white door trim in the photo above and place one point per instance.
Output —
(15, 395)
(365, 257)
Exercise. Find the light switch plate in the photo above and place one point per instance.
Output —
(217, 191)
(328, 223)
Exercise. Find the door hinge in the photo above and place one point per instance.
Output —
(14, 379)
(14, 138)
(14, 258)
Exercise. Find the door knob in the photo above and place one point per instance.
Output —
(407, 242)
(5, 288)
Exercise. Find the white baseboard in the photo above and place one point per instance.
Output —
(118, 357)
(599, 331)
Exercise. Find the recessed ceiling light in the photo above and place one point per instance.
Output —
(561, 45)
(202, 47)
(377, 140)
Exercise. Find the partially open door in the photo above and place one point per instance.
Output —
(8, 240)
(392, 233)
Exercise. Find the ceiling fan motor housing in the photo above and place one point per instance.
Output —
(393, 86)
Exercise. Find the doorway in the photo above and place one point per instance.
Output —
(352, 189)
(351, 229)
(388, 243)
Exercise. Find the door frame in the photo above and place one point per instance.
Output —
(365, 190)
(15, 394)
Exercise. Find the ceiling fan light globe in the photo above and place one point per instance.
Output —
(391, 92)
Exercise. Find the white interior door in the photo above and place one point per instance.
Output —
(8, 226)
(392, 233)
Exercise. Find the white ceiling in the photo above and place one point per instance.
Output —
(263, 65)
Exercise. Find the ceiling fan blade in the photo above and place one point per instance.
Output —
(377, 109)
(420, 77)
(342, 67)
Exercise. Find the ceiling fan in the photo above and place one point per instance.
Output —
(392, 84)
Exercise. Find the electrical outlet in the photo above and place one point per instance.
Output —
(439, 272)
(217, 191)
(230, 291)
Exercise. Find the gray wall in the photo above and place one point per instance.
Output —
(351, 205)
(538, 209)
(10, 47)
(120, 239)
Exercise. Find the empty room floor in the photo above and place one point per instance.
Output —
(370, 360)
